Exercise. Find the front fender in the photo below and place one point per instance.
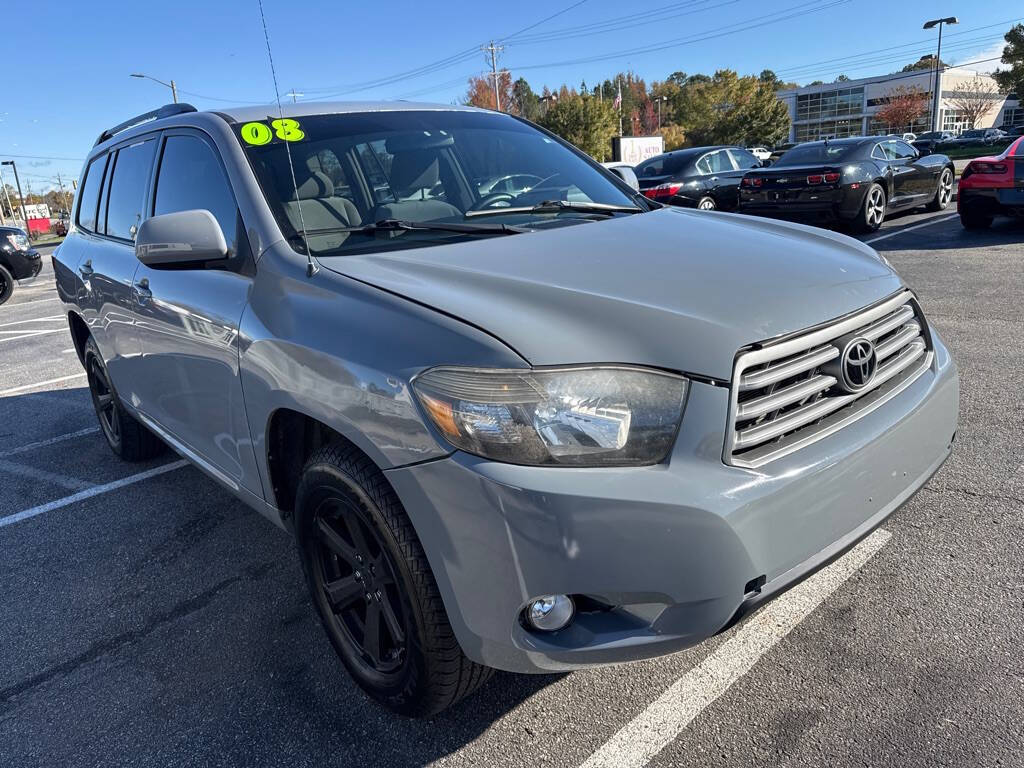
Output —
(343, 353)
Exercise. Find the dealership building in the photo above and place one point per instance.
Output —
(848, 107)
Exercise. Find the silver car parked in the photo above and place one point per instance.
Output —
(533, 430)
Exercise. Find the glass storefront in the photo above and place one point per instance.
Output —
(827, 129)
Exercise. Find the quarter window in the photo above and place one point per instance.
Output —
(90, 194)
(128, 189)
(191, 178)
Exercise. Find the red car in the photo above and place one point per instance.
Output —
(990, 186)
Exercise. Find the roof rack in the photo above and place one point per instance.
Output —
(167, 110)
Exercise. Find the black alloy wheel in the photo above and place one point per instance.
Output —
(103, 399)
(371, 583)
(358, 580)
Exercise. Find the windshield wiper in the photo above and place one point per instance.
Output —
(557, 206)
(401, 225)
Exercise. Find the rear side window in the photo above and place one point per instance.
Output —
(89, 196)
(744, 159)
(128, 189)
(191, 177)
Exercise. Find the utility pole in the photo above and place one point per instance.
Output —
(937, 90)
(64, 195)
(494, 50)
(21, 199)
(294, 95)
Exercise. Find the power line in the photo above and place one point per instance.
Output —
(542, 21)
(43, 157)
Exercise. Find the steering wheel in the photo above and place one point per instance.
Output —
(489, 201)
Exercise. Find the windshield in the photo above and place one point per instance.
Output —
(420, 167)
(807, 154)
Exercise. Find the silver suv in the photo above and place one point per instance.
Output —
(533, 428)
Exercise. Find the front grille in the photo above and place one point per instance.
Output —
(788, 394)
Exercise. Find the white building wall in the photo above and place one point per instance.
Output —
(847, 108)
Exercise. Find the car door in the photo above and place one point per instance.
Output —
(108, 264)
(724, 179)
(189, 385)
(905, 176)
(925, 175)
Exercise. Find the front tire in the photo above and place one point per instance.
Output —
(943, 192)
(6, 284)
(373, 588)
(125, 434)
(872, 210)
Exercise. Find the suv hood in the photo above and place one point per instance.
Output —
(675, 289)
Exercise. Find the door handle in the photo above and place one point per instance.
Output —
(142, 289)
(85, 269)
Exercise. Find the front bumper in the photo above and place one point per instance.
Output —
(25, 264)
(665, 556)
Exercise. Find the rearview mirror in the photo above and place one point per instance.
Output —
(180, 239)
(628, 175)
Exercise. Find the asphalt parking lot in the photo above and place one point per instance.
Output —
(148, 619)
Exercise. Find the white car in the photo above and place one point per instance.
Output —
(761, 153)
(909, 137)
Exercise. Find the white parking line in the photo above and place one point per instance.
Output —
(656, 727)
(27, 334)
(54, 478)
(33, 301)
(32, 320)
(909, 229)
(25, 387)
(48, 441)
(89, 493)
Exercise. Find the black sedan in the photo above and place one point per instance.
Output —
(18, 260)
(856, 181)
(933, 141)
(700, 177)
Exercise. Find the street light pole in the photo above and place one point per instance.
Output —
(172, 85)
(21, 199)
(937, 89)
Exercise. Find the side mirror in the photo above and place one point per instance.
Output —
(186, 238)
(628, 175)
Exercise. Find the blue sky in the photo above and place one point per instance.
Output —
(69, 63)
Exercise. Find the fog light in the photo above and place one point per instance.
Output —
(550, 612)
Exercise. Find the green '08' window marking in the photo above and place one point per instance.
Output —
(286, 129)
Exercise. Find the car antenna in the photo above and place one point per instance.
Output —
(311, 266)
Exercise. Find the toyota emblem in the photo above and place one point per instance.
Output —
(858, 364)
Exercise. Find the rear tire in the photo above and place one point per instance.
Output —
(943, 192)
(706, 203)
(872, 210)
(6, 284)
(975, 219)
(365, 567)
(125, 434)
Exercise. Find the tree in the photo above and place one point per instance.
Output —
(674, 136)
(975, 98)
(481, 91)
(816, 82)
(902, 107)
(585, 121)
(1012, 80)
(842, 79)
(729, 109)
(524, 101)
(925, 62)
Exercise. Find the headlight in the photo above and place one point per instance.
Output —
(589, 417)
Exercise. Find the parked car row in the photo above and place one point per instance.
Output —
(855, 181)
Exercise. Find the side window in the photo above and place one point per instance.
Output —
(704, 165)
(376, 163)
(89, 195)
(190, 178)
(128, 189)
(904, 150)
(878, 153)
(720, 162)
(331, 165)
(744, 159)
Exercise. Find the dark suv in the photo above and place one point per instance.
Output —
(18, 260)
